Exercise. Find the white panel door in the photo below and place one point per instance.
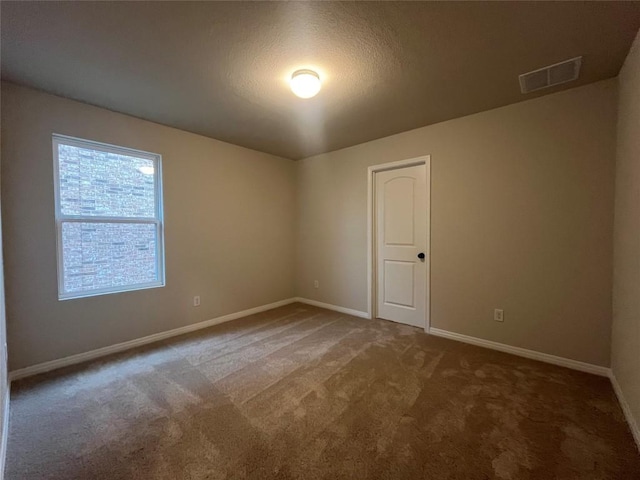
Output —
(401, 242)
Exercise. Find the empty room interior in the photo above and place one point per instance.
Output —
(320, 240)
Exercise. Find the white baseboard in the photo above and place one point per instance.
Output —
(633, 425)
(328, 306)
(523, 352)
(4, 441)
(120, 347)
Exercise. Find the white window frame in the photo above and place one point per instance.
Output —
(157, 220)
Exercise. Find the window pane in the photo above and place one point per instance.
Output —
(107, 255)
(97, 183)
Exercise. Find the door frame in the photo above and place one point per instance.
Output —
(371, 232)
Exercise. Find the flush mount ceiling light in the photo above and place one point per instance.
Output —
(305, 83)
(146, 170)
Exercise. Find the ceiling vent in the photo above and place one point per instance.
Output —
(555, 74)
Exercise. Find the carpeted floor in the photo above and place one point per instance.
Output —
(304, 393)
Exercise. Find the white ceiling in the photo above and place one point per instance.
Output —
(220, 69)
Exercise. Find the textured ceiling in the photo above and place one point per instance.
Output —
(220, 69)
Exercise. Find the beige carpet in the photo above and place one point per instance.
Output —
(304, 393)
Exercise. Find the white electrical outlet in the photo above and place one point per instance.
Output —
(316, 284)
(196, 301)
(498, 315)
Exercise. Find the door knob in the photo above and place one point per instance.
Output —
(421, 256)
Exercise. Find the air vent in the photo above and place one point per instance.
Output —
(555, 74)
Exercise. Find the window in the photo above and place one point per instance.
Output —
(108, 218)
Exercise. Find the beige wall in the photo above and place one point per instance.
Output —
(626, 285)
(229, 216)
(4, 384)
(522, 210)
(522, 216)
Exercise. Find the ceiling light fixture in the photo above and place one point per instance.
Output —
(305, 83)
(146, 170)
